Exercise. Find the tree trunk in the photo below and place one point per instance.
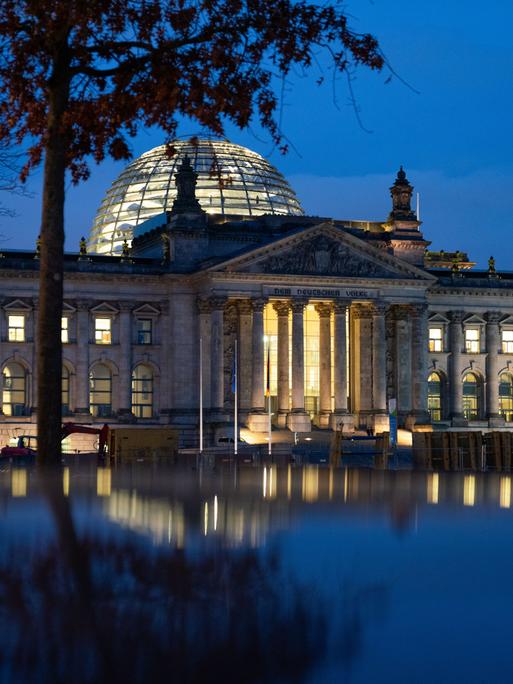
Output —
(48, 341)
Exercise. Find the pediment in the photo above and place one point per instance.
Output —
(474, 320)
(67, 308)
(438, 318)
(104, 308)
(17, 305)
(323, 250)
(146, 310)
(507, 321)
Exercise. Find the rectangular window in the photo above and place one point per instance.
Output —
(507, 341)
(16, 328)
(435, 339)
(144, 331)
(472, 340)
(64, 330)
(102, 330)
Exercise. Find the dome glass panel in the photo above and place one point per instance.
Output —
(232, 181)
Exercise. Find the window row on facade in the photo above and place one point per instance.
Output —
(16, 390)
(102, 328)
(472, 391)
(474, 341)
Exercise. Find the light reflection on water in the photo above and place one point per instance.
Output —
(255, 574)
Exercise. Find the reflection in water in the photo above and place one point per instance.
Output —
(241, 574)
(469, 490)
(103, 482)
(19, 482)
(432, 488)
(505, 492)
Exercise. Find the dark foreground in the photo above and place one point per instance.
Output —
(168, 573)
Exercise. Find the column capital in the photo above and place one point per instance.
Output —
(244, 306)
(418, 310)
(340, 307)
(456, 316)
(361, 311)
(258, 303)
(83, 304)
(298, 305)
(324, 309)
(282, 308)
(401, 312)
(217, 303)
(379, 308)
(125, 307)
(203, 304)
(493, 317)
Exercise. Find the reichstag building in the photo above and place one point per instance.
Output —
(197, 255)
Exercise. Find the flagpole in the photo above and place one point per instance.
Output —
(201, 396)
(268, 392)
(235, 412)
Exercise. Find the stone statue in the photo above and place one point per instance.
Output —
(491, 265)
(186, 201)
(322, 256)
(38, 247)
(83, 246)
(166, 249)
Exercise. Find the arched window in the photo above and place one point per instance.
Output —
(65, 391)
(14, 394)
(100, 391)
(506, 396)
(471, 396)
(142, 391)
(435, 397)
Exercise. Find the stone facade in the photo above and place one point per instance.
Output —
(386, 326)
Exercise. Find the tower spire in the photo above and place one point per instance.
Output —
(401, 192)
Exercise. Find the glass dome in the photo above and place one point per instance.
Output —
(232, 180)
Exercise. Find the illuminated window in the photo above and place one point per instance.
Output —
(64, 329)
(102, 330)
(312, 352)
(16, 328)
(472, 340)
(471, 396)
(100, 391)
(506, 396)
(435, 397)
(14, 390)
(435, 339)
(144, 330)
(507, 341)
(65, 391)
(271, 344)
(142, 391)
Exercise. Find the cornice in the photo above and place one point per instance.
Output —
(332, 281)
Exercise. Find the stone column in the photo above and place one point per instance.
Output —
(379, 369)
(257, 419)
(324, 311)
(419, 361)
(82, 358)
(340, 419)
(166, 366)
(205, 328)
(125, 360)
(298, 420)
(282, 309)
(493, 364)
(245, 369)
(362, 363)
(456, 348)
(217, 356)
(404, 364)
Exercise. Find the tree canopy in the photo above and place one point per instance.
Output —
(133, 63)
(78, 78)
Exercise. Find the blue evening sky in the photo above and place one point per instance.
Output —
(453, 136)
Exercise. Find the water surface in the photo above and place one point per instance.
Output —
(184, 573)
